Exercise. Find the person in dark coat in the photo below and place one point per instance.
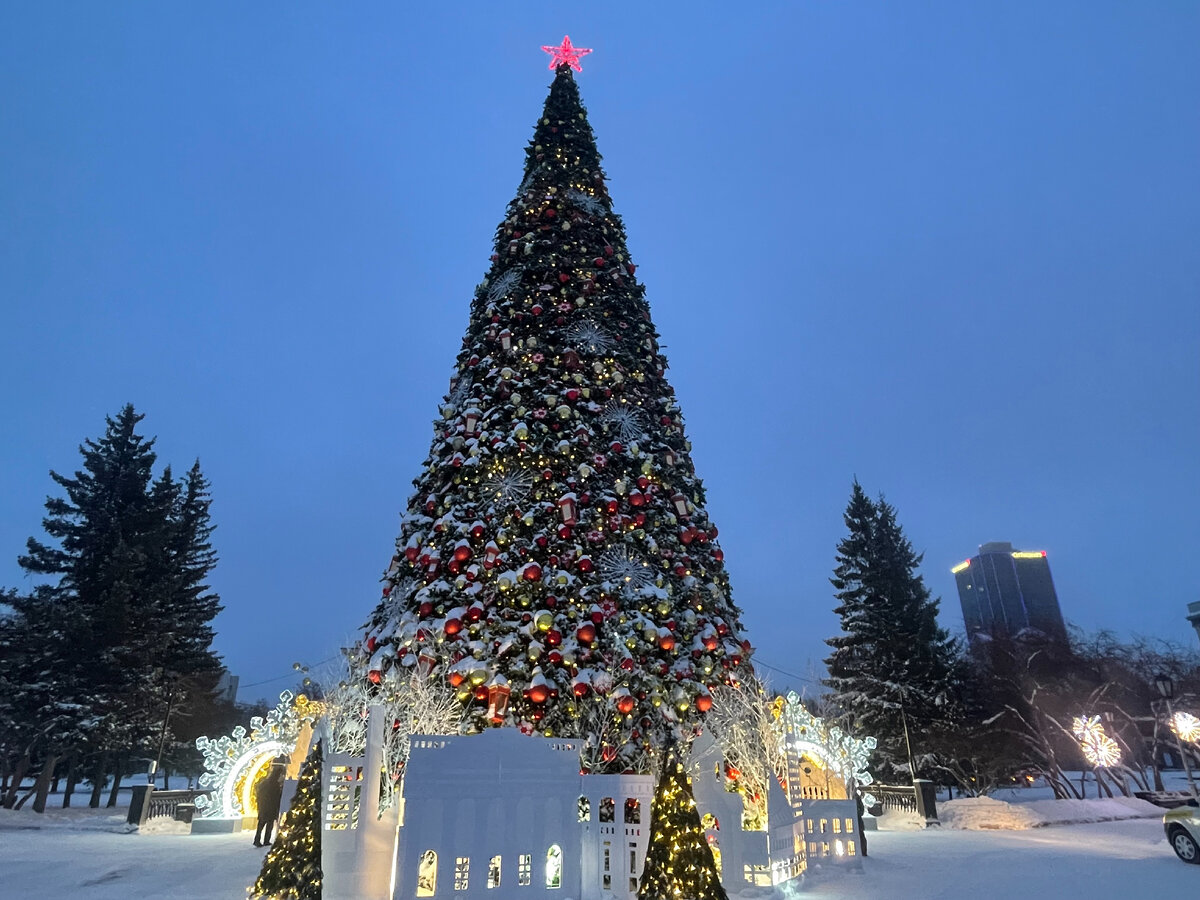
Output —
(267, 794)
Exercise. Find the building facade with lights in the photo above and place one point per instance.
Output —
(1008, 592)
(1193, 616)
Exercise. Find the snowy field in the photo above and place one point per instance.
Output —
(90, 857)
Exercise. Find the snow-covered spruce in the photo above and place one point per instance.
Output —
(556, 563)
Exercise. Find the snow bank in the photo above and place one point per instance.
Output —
(163, 825)
(72, 819)
(977, 813)
(895, 820)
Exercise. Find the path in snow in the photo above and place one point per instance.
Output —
(66, 864)
(1127, 860)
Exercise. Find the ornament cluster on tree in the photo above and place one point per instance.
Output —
(557, 560)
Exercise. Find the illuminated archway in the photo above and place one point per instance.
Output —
(236, 762)
(237, 793)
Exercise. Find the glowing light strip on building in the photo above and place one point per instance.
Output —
(965, 564)
(1029, 554)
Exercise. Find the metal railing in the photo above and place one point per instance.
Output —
(918, 798)
(147, 804)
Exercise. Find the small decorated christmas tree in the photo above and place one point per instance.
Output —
(679, 862)
(292, 868)
(556, 562)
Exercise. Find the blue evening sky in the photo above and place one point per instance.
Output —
(952, 248)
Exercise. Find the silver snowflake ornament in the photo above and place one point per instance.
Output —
(593, 206)
(591, 337)
(625, 568)
(502, 286)
(460, 390)
(623, 421)
(507, 486)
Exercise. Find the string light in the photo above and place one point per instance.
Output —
(292, 867)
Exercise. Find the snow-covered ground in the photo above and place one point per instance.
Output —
(1127, 860)
(95, 858)
(89, 855)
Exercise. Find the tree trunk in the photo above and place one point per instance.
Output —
(118, 770)
(98, 780)
(42, 787)
(72, 778)
(21, 802)
(14, 785)
(166, 779)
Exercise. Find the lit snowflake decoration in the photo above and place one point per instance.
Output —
(231, 758)
(1098, 748)
(527, 181)
(624, 567)
(1186, 726)
(590, 337)
(459, 392)
(799, 731)
(507, 486)
(504, 283)
(593, 206)
(623, 421)
(403, 589)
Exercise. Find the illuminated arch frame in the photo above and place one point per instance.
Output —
(248, 764)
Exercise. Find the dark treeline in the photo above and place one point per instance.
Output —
(107, 662)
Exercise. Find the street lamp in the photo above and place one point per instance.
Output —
(1166, 687)
(1166, 690)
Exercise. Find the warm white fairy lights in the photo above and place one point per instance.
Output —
(1098, 748)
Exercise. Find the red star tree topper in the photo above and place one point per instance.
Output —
(566, 55)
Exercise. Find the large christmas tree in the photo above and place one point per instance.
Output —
(556, 562)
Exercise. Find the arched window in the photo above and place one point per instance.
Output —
(633, 811)
(427, 874)
(585, 809)
(554, 863)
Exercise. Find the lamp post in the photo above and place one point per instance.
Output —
(1166, 690)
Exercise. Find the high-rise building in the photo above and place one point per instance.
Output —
(1010, 592)
(1193, 615)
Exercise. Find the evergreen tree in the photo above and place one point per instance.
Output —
(127, 615)
(679, 862)
(292, 867)
(558, 535)
(895, 674)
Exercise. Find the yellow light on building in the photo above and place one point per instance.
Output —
(965, 564)
(1029, 554)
